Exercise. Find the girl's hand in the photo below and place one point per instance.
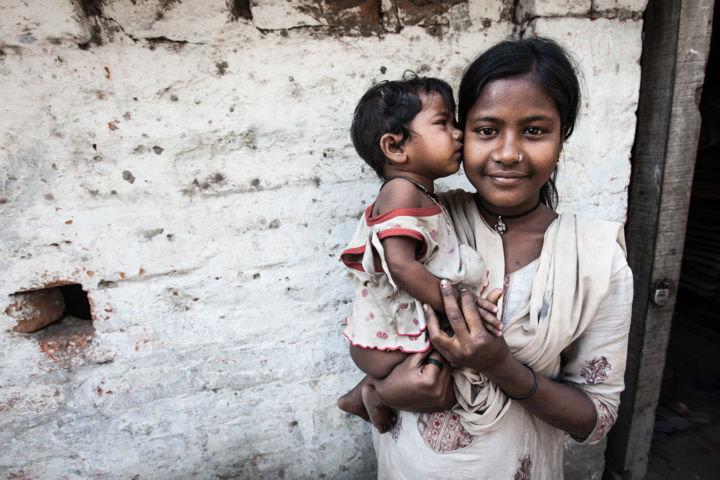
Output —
(417, 386)
(488, 311)
(473, 345)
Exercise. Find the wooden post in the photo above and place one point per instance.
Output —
(675, 50)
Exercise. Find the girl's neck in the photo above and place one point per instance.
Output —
(530, 218)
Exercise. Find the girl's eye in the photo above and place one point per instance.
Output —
(485, 131)
(534, 130)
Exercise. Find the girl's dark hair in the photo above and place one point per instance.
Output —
(389, 107)
(544, 62)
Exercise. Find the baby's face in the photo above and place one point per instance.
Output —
(434, 149)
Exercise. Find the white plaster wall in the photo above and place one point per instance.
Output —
(195, 174)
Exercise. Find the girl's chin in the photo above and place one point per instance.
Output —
(507, 203)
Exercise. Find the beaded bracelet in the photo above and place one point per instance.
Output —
(534, 387)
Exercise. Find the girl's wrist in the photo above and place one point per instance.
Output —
(510, 375)
(527, 394)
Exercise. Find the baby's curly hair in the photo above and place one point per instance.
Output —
(389, 107)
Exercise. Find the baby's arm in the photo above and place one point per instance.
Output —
(411, 275)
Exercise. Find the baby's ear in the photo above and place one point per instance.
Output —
(391, 148)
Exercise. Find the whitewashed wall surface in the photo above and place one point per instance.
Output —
(188, 164)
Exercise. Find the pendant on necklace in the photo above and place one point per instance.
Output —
(500, 226)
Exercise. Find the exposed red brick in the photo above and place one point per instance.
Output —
(37, 309)
(359, 16)
(424, 12)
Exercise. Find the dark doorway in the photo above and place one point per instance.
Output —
(686, 437)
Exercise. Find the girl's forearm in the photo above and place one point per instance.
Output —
(558, 404)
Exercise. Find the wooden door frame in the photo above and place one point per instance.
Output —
(675, 50)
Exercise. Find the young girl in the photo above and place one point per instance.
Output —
(559, 365)
(405, 130)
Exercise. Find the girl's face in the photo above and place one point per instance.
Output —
(511, 116)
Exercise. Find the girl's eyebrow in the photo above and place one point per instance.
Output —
(485, 118)
(538, 118)
(492, 119)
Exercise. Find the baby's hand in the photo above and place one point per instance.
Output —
(488, 311)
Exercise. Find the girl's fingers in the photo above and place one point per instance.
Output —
(486, 304)
(492, 322)
(494, 295)
(491, 300)
(488, 311)
(471, 312)
(438, 338)
(452, 310)
(493, 328)
(418, 359)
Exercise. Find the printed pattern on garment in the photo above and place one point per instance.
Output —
(596, 371)
(443, 432)
(604, 423)
(385, 317)
(523, 472)
(397, 428)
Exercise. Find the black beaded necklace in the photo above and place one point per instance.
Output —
(500, 226)
(433, 196)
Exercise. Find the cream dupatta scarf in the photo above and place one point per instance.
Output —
(572, 278)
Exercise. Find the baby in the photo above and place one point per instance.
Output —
(405, 130)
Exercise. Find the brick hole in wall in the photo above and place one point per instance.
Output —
(36, 309)
(58, 317)
(77, 303)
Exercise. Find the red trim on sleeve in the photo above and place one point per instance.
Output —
(406, 232)
(427, 346)
(400, 212)
(353, 251)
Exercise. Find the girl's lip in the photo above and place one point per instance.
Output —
(506, 174)
(506, 178)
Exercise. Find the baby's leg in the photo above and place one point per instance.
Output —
(364, 401)
(352, 402)
(380, 415)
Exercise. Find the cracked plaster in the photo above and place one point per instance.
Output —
(214, 275)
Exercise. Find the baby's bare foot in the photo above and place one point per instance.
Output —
(380, 415)
(352, 402)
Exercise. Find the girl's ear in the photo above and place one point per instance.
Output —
(565, 129)
(391, 148)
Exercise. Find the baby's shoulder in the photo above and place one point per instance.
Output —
(397, 194)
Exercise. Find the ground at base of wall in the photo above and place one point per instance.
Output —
(686, 441)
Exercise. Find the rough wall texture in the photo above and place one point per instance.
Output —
(189, 164)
